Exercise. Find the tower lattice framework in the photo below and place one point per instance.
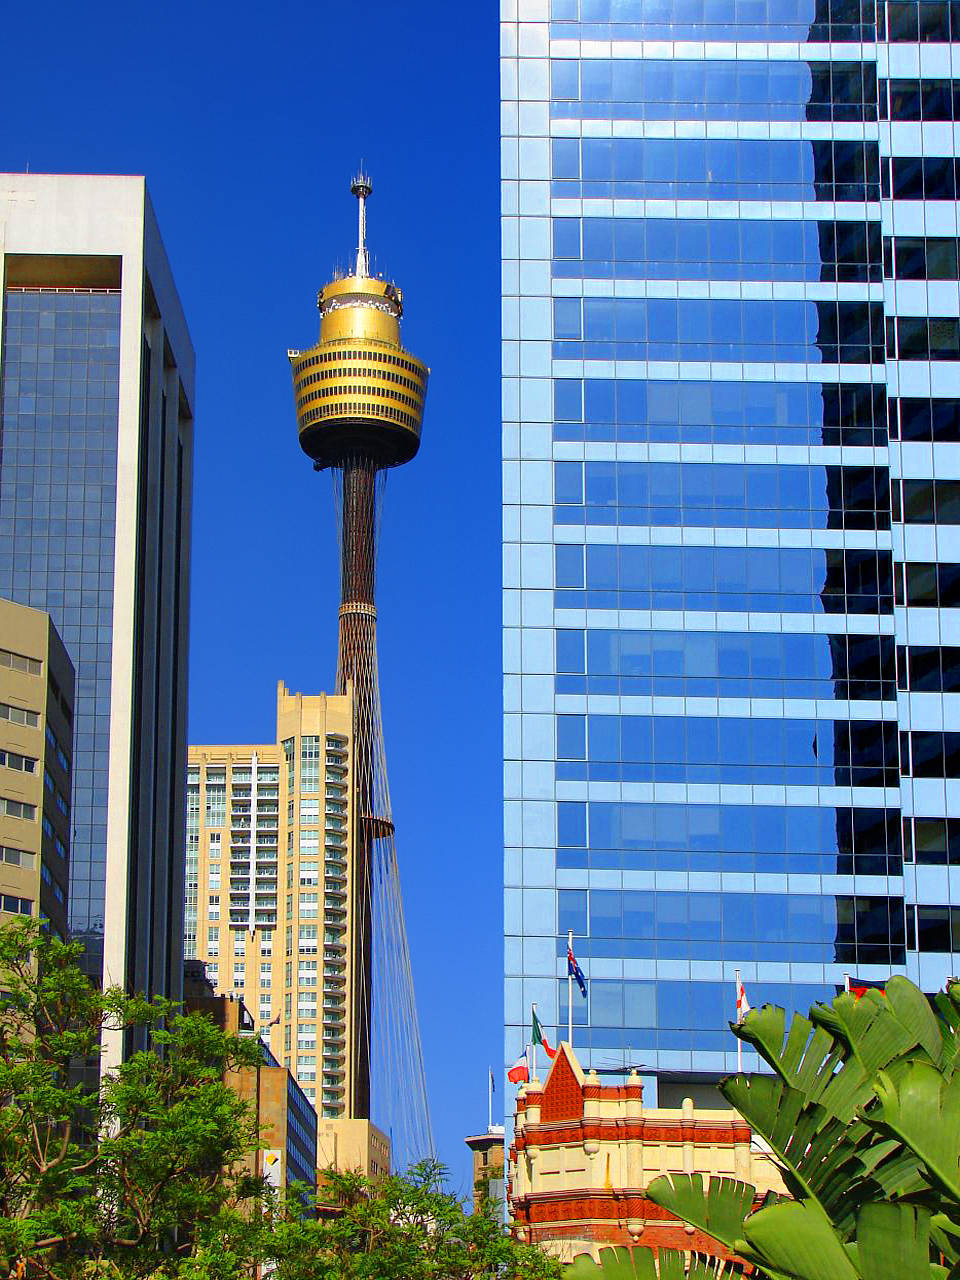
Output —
(360, 398)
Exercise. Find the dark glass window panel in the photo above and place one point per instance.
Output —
(902, 21)
(918, 501)
(933, 929)
(930, 841)
(934, 755)
(919, 178)
(921, 580)
(944, 338)
(926, 99)
(934, 21)
(910, 258)
(941, 256)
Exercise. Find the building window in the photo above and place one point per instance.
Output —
(17, 857)
(18, 763)
(19, 662)
(18, 906)
(310, 763)
(290, 759)
(216, 805)
(18, 715)
(17, 809)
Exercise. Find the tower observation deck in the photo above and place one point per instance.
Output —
(359, 400)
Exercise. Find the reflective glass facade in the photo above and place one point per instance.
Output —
(58, 490)
(731, 397)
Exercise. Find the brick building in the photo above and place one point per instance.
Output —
(583, 1154)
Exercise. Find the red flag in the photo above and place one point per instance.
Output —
(519, 1073)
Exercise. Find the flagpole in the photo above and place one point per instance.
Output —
(489, 1099)
(533, 1042)
(569, 990)
(846, 983)
(739, 1041)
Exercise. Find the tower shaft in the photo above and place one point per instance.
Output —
(357, 669)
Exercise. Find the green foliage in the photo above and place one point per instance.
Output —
(136, 1174)
(141, 1174)
(861, 1113)
(404, 1227)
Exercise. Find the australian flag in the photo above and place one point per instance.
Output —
(574, 970)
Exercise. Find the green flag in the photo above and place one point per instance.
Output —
(537, 1036)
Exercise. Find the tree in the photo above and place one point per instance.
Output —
(862, 1114)
(403, 1227)
(139, 1173)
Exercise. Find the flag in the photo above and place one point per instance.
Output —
(574, 971)
(519, 1073)
(493, 1083)
(743, 1004)
(537, 1036)
(858, 988)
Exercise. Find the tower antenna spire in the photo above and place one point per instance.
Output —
(361, 187)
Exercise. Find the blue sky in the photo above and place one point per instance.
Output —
(248, 121)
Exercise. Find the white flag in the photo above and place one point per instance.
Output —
(743, 1004)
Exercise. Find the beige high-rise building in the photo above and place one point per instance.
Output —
(36, 766)
(268, 887)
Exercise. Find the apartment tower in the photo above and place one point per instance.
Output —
(96, 431)
(268, 887)
(731, 443)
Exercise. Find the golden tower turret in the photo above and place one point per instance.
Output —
(358, 392)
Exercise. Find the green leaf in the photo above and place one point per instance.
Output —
(923, 1110)
(805, 1059)
(797, 1240)
(719, 1211)
(616, 1263)
(881, 1026)
(893, 1242)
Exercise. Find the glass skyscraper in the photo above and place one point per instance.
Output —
(96, 367)
(731, 450)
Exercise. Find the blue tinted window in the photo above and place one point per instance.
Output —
(60, 381)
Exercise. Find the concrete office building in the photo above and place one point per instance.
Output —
(96, 429)
(731, 447)
(36, 766)
(269, 891)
